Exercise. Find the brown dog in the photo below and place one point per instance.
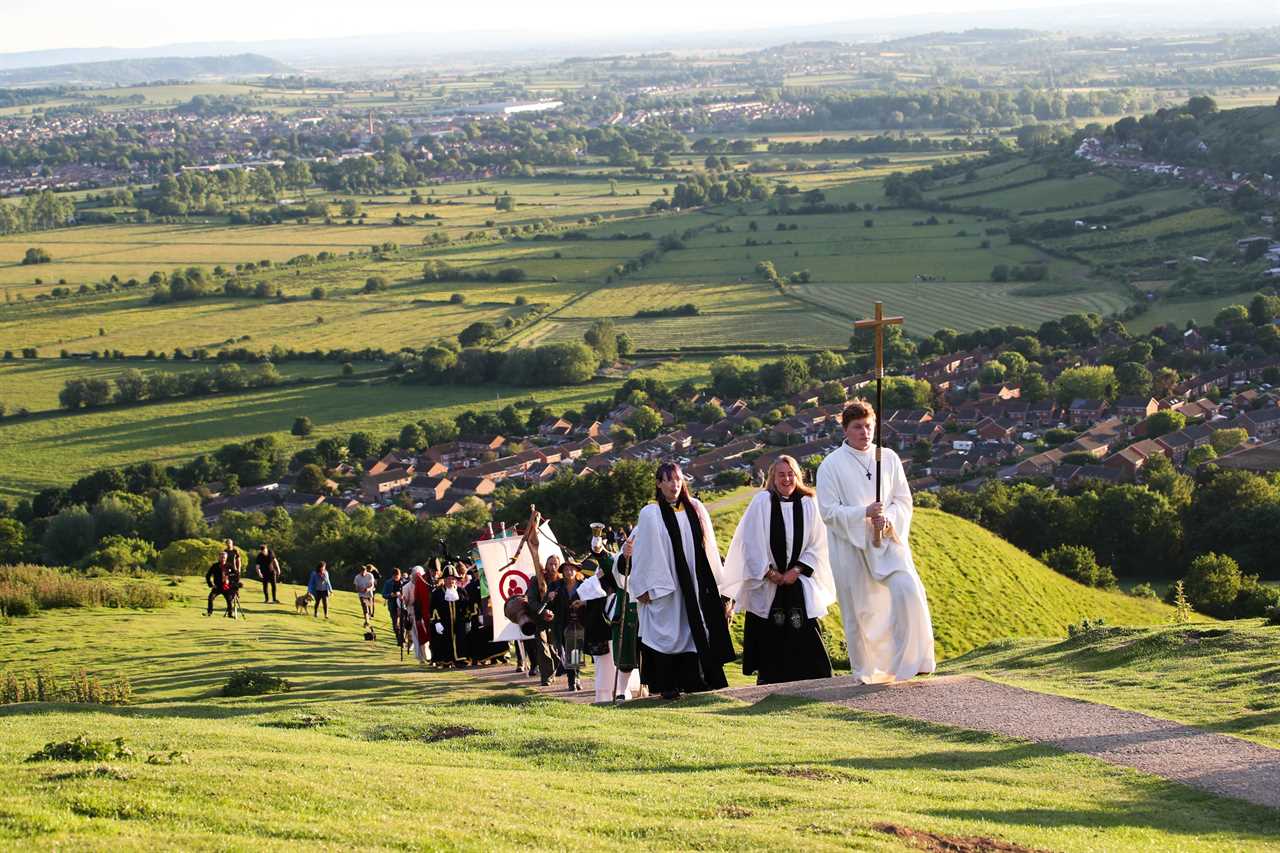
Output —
(302, 602)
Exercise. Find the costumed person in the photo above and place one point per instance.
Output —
(415, 599)
(538, 600)
(450, 621)
(603, 598)
(882, 600)
(268, 572)
(566, 627)
(778, 574)
(675, 578)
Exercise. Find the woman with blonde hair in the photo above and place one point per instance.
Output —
(778, 573)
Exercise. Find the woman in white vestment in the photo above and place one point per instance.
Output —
(778, 574)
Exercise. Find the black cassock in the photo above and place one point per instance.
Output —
(787, 646)
(450, 645)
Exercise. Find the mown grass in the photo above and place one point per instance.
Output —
(1221, 677)
(326, 764)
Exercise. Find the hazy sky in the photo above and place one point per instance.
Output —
(45, 24)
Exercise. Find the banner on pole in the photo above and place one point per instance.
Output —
(506, 579)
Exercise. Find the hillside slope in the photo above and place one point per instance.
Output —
(981, 588)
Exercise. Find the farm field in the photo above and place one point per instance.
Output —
(60, 447)
(34, 384)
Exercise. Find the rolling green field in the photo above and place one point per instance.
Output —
(317, 767)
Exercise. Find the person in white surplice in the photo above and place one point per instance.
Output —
(882, 600)
(779, 576)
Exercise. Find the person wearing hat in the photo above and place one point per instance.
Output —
(604, 598)
(391, 595)
(365, 583)
(481, 647)
(450, 621)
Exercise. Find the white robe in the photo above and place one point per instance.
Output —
(664, 624)
(882, 600)
(606, 675)
(421, 651)
(750, 558)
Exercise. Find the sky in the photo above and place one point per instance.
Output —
(42, 25)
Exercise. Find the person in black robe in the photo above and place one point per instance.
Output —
(566, 626)
(450, 622)
(675, 578)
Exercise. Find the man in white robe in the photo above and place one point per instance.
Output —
(416, 598)
(882, 600)
(675, 580)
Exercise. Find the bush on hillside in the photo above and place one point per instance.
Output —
(1078, 563)
(81, 688)
(83, 748)
(189, 557)
(254, 682)
(123, 554)
(1212, 584)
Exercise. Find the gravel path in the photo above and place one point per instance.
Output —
(1211, 762)
(1215, 763)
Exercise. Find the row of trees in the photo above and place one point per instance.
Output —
(133, 386)
(37, 212)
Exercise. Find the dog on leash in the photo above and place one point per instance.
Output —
(302, 602)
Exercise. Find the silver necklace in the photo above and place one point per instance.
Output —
(857, 459)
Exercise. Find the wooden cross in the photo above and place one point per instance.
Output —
(878, 325)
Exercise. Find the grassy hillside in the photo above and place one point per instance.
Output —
(324, 765)
(1221, 678)
(981, 588)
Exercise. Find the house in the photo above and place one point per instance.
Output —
(249, 500)
(423, 487)
(1131, 459)
(436, 509)
(378, 487)
(1261, 423)
(1065, 475)
(295, 501)
(394, 459)
(344, 504)
(1135, 407)
(1040, 465)
(951, 466)
(1085, 412)
(468, 484)
(555, 428)
(1201, 409)
(990, 429)
(1042, 414)
(799, 452)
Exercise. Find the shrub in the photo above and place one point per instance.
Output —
(1273, 615)
(302, 426)
(123, 554)
(1078, 563)
(1143, 590)
(254, 682)
(1213, 583)
(83, 748)
(188, 556)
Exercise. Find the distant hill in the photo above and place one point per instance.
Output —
(982, 589)
(128, 72)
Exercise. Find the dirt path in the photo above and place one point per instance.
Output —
(1219, 764)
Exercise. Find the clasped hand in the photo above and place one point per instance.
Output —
(875, 512)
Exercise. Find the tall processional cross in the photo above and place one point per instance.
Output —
(877, 324)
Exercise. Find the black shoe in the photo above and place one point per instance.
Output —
(545, 683)
(671, 695)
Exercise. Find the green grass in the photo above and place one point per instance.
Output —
(709, 773)
(1221, 678)
(981, 588)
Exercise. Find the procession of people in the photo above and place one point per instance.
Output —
(652, 610)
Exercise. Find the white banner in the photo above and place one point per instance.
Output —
(507, 579)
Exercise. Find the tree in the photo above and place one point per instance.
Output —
(1015, 364)
(349, 209)
(826, 365)
(992, 373)
(1087, 383)
(645, 422)
(1078, 563)
(922, 452)
(1164, 422)
(1225, 440)
(1212, 583)
(1034, 388)
(123, 554)
(602, 337)
(360, 445)
(13, 541)
(121, 514)
(302, 427)
(789, 375)
(70, 535)
(176, 515)
(312, 480)
(131, 386)
(1133, 380)
(36, 256)
(1197, 456)
(732, 376)
(375, 284)
(411, 438)
(902, 392)
(479, 332)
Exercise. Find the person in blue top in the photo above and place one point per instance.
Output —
(319, 587)
(391, 595)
